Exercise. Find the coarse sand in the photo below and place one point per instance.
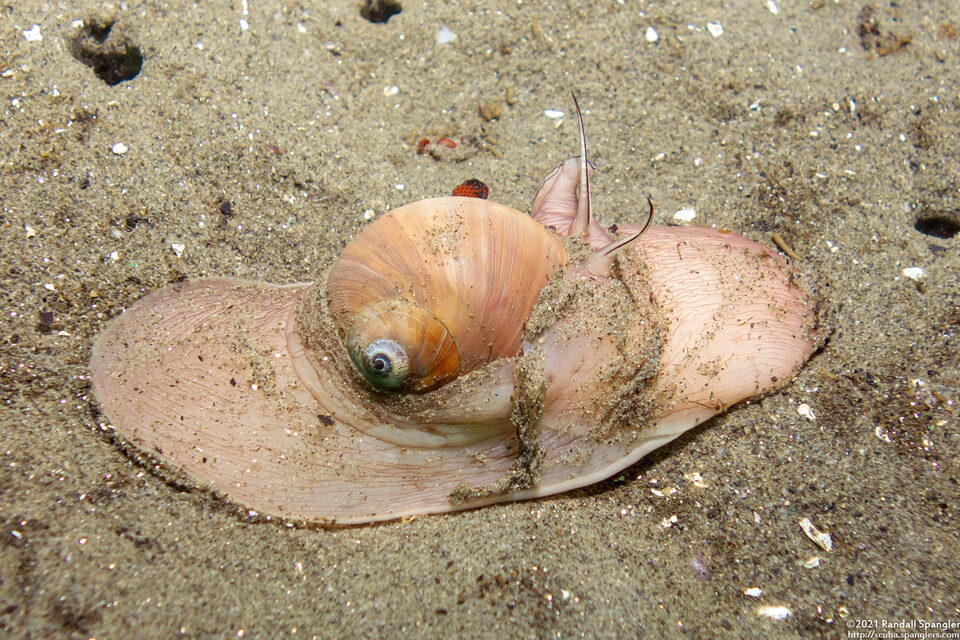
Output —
(143, 143)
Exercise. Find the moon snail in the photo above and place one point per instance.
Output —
(458, 353)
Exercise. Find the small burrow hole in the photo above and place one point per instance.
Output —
(379, 10)
(938, 225)
(112, 56)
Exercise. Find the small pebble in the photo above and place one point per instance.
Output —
(685, 215)
(490, 111)
(812, 563)
(715, 29)
(695, 478)
(119, 148)
(553, 113)
(177, 248)
(805, 411)
(753, 592)
(652, 35)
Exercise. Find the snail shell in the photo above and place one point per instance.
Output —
(458, 353)
(444, 284)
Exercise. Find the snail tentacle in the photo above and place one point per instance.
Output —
(602, 259)
(581, 223)
(556, 203)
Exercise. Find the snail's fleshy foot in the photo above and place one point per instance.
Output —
(529, 392)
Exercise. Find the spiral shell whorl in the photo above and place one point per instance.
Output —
(398, 345)
(470, 266)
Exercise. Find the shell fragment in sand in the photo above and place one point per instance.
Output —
(820, 538)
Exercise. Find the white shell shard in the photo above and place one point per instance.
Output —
(445, 35)
(914, 273)
(32, 34)
(822, 539)
(777, 612)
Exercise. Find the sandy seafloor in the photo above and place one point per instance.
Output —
(308, 119)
